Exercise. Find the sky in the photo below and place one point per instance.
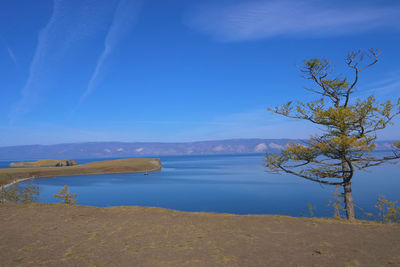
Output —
(179, 70)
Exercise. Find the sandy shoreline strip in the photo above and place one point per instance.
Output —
(16, 182)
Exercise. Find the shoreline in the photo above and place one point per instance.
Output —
(16, 182)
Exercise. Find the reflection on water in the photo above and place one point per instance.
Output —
(232, 184)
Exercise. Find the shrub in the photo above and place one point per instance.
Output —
(337, 204)
(388, 210)
(17, 194)
(65, 196)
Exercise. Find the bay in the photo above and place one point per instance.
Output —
(237, 184)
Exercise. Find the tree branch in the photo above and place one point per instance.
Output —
(307, 177)
(353, 59)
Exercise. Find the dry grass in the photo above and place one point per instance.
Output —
(61, 235)
(44, 163)
(9, 175)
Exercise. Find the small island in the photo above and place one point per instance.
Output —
(40, 169)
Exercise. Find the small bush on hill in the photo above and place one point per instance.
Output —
(388, 210)
(65, 196)
(17, 194)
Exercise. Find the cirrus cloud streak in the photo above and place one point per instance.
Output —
(124, 16)
(301, 18)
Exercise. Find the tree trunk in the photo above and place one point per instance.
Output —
(348, 201)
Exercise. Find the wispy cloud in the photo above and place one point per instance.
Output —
(50, 133)
(26, 100)
(306, 18)
(12, 56)
(387, 88)
(9, 51)
(256, 123)
(70, 22)
(124, 16)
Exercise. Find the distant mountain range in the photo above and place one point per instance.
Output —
(121, 149)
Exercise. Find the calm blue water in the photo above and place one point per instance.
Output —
(229, 184)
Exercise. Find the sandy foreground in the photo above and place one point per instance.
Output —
(60, 235)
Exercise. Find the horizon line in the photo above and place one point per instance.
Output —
(171, 142)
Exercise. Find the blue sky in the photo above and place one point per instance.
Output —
(178, 70)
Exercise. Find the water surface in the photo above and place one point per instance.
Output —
(228, 184)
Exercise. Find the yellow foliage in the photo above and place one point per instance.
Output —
(388, 210)
(337, 204)
(65, 196)
(348, 128)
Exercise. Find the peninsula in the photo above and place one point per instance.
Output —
(12, 175)
(44, 163)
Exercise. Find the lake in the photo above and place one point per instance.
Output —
(225, 183)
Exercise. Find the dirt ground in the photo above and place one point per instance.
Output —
(59, 235)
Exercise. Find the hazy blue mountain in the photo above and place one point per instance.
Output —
(121, 149)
